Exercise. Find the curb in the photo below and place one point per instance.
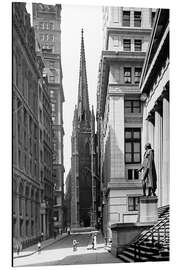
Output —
(33, 252)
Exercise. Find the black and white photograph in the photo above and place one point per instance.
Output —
(90, 134)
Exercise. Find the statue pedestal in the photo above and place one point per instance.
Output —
(148, 211)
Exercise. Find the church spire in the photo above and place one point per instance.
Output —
(83, 98)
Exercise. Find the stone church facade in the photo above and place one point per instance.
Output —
(83, 182)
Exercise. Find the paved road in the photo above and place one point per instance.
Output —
(61, 253)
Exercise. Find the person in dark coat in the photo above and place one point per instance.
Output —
(149, 178)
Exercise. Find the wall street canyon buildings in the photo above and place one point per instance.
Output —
(120, 112)
(47, 25)
(37, 125)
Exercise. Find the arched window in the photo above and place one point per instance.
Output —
(20, 198)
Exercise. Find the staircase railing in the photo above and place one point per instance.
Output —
(150, 235)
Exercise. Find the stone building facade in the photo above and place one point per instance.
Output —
(26, 170)
(154, 86)
(83, 160)
(120, 113)
(47, 24)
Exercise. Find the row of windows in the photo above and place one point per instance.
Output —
(46, 37)
(137, 18)
(128, 75)
(137, 45)
(45, 26)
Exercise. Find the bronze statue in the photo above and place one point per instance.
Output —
(149, 178)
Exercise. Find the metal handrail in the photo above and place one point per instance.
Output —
(150, 232)
(153, 229)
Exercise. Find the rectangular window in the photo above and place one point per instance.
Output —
(138, 45)
(41, 26)
(137, 18)
(116, 41)
(133, 174)
(52, 78)
(133, 203)
(51, 26)
(132, 106)
(126, 18)
(127, 45)
(127, 75)
(132, 145)
(137, 75)
(51, 37)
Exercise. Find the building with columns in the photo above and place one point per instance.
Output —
(154, 87)
(26, 181)
(83, 160)
(47, 25)
(120, 112)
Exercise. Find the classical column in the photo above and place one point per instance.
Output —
(158, 149)
(151, 129)
(166, 150)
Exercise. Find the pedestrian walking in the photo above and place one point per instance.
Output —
(95, 239)
(75, 244)
(18, 248)
(42, 236)
(92, 240)
(39, 247)
(68, 230)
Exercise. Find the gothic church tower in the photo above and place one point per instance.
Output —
(83, 190)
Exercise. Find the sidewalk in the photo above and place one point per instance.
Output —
(33, 249)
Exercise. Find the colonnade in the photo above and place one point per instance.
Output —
(158, 135)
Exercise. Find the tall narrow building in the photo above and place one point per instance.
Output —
(119, 111)
(83, 183)
(47, 25)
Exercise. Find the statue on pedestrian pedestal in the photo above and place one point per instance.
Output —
(149, 178)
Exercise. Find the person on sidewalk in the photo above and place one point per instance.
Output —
(18, 248)
(75, 244)
(39, 247)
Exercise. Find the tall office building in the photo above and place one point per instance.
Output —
(119, 111)
(47, 25)
(32, 153)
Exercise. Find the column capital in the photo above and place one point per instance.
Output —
(158, 106)
(151, 116)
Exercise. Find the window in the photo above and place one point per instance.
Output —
(133, 203)
(126, 18)
(137, 18)
(51, 26)
(52, 78)
(138, 45)
(132, 106)
(53, 107)
(51, 93)
(133, 174)
(127, 75)
(46, 25)
(51, 37)
(116, 41)
(41, 36)
(137, 75)
(46, 37)
(132, 145)
(51, 64)
(127, 45)
(41, 26)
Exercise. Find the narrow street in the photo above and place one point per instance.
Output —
(61, 253)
